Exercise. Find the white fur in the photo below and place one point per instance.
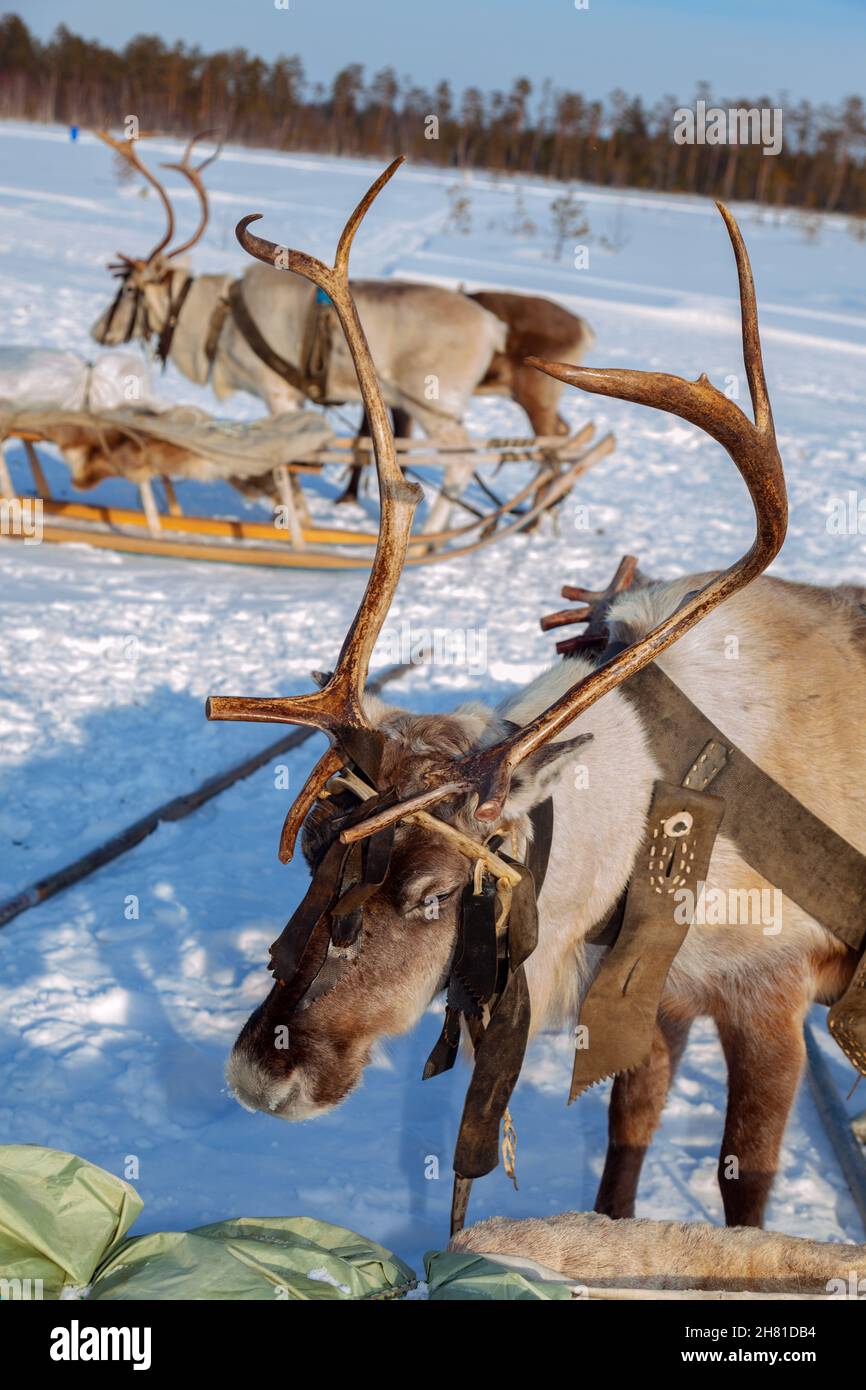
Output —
(786, 701)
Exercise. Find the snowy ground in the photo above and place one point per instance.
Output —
(114, 1032)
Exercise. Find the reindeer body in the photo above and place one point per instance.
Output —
(786, 701)
(416, 333)
(432, 347)
(536, 328)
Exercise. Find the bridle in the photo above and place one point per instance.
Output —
(496, 931)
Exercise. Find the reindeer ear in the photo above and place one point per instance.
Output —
(536, 777)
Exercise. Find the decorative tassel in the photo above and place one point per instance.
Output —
(509, 1147)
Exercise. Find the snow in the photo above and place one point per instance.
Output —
(114, 1026)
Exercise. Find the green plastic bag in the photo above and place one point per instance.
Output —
(59, 1218)
(455, 1276)
(63, 1222)
(273, 1258)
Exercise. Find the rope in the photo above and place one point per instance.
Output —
(509, 1148)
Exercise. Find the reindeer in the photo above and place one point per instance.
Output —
(433, 788)
(261, 333)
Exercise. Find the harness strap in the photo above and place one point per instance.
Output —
(316, 346)
(618, 1015)
(500, 1044)
(256, 340)
(214, 332)
(774, 832)
(115, 305)
(175, 308)
(780, 838)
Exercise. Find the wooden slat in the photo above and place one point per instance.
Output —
(226, 554)
(203, 525)
(39, 477)
(541, 441)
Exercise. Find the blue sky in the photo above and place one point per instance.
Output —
(814, 48)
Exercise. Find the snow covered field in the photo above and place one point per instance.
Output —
(114, 1031)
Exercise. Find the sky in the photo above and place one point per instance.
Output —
(795, 48)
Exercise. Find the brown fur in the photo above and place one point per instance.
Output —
(601, 1253)
(115, 455)
(536, 328)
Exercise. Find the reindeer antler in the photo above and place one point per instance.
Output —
(593, 611)
(338, 706)
(755, 453)
(194, 173)
(125, 148)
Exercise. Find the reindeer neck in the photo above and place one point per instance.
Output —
(194, 340)
(599, 814)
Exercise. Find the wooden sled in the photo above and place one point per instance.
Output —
(288, 542)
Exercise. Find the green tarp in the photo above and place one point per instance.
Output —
(59, 1216)
(63, 1222)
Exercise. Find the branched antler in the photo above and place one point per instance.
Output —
(338, 706)
(193, 173)
(126, 150)
(753, 449)
(593, 611)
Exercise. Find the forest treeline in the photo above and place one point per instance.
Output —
(619, 142)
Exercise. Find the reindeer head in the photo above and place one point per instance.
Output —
(150, 285)
(392, 938)
(406, 818)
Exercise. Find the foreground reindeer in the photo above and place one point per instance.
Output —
(269, 335)
(375, 938)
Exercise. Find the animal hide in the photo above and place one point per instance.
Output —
(601, 1253)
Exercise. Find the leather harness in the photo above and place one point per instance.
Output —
(311, 377)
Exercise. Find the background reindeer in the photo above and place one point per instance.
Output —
(418, 334)
(786, 703)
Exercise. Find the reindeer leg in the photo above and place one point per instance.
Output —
(636, 1106)
(402, 430)
(765, 1057)
(351, 490)
(531, 390)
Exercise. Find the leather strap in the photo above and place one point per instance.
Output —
(774, 832)
(618, 1015)
(214, 332)
(256, 340)
(538, 858)
(175, 308)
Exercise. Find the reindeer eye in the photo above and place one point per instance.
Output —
(429, 898)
